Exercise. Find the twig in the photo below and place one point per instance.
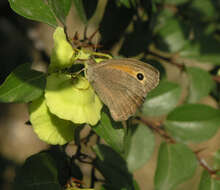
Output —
(79, 155)
(86, 139)
(170, 60)
(93, 177)
(202, 162)
(157, 127)
(216, 78)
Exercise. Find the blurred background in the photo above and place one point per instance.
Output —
(22, 40)
(18, 39)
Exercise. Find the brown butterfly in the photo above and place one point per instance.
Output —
(122, 84)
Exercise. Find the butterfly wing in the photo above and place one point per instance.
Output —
(117, 84)
(121, 102)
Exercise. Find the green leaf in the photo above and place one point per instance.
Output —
(136, 186)
(176, 164)
(205, 49)
(162, 99)
(80, 10)
(22, 85)
(217, 160)
(113, 168)
(60, 8)
(175, 2)
(201, 83)
(137, 41)
(126, 3)
(173, 35)
(208, 183)
(36, 10)
(39, 172)
(163, 17)
(205, 8)
(89, 7)
(111, 132)
(85, 9)
(193, 122)
(117, 18)
(140, 146)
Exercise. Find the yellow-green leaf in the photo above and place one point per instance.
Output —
(72, 99)
(49, 127)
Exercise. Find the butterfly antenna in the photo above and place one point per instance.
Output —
(76, 36)
(85, 33)
(93, 34)
(96, 44)
(65, 31)
(91, 37)
(92, 60)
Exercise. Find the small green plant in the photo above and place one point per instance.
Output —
(181, 34)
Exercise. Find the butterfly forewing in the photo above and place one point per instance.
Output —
(117, 83)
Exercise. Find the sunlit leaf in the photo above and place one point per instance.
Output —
(162, 99)
(201, 83)
(72, 99)
(111, 132)
(173, 35)
(36, 10)
(139, 146)
(49, 127)
(193, 122)
(176, 164)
